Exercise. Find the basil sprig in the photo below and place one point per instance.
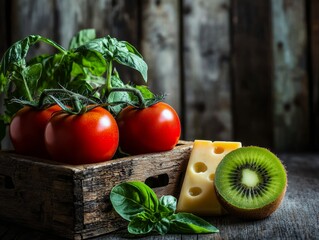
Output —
(137, 203)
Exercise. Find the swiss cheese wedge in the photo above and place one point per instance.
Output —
(197, 194)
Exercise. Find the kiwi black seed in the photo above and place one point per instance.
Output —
(250, 182)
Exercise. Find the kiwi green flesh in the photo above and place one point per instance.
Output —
(250, 178)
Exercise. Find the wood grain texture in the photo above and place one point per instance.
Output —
(232, 69)
(4, 26)
(296, 218)
(115, 18)
(160, 47)
(252, 72)
(206, 52)
(290, 87)
(32, 17)
(60, 20)
(73, 201)
(313, 11)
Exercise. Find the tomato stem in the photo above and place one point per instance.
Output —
(109, 77)
(26, 87)
(136, 92)
(47, 92)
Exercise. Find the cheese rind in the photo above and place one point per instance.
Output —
(197, 193)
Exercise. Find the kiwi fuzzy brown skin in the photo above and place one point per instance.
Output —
(253, 213)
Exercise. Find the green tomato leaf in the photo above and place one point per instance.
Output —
(189, 223)
(82, 37)
(132, 198)
(141, 224)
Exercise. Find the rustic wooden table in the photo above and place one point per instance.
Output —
(297, 217)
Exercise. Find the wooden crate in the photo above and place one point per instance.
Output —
(73, 201)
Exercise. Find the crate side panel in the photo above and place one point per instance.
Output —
(36, 194)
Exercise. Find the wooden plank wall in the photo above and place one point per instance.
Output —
(233, 69)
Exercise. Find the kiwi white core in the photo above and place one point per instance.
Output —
(249, 178)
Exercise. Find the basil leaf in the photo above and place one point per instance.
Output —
(91, 60)
(144, 223)
(14, 60)
(101, 45)
(118, 97)
(19, 50)
(82, 37)
(49, 65)
(132, 198)
(141, 224)
(132, 49)
(134, 61)
(189, 223)
(162, 226)
(169, 202)
(32, 74)
(120, 51)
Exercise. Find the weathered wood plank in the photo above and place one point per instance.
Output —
(32, 194)
(32, 17)
(115, 18)
(4, 26)
(290, 85)
(5, 29)
(60, 20)
(160, 47)
(252, 72)
(313, 12)
(206, 69)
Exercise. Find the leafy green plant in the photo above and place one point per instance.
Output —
(137, 203)
(87, 68)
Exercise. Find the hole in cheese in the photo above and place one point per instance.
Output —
(211, 177)
(195, 191)
(200, 167)
(219, 150)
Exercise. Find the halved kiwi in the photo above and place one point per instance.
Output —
(250, 182)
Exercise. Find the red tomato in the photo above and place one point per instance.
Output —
(153, 129)
(80, 139)
(27, 130)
